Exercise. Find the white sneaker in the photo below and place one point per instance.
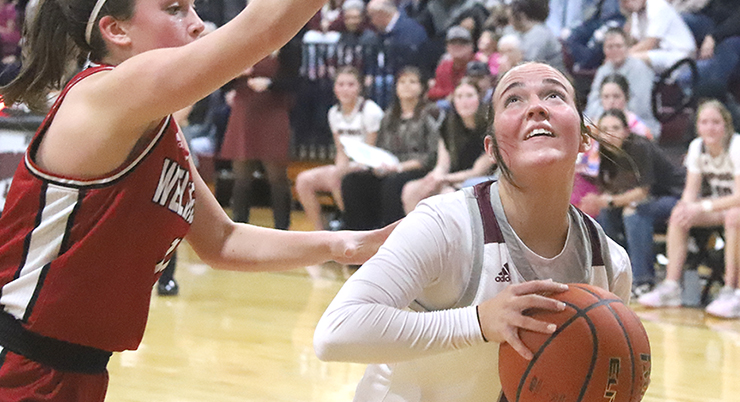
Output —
(666, 294)
(727, 303)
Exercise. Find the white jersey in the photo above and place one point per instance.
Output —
(719, 172)
(660, 20)
(442, 261)
(364, 119)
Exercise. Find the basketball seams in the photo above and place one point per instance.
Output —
(533, 376)
(629, 346)
(579, 313)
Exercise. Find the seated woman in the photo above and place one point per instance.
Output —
(409, 131)
(353, 116)
(614, 94)
(639, 188)
(460, 153)
(713, 160)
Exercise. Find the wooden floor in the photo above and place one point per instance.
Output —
(232, 337)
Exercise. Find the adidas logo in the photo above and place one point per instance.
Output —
(504, 275)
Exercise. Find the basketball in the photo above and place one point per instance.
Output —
(599, 352)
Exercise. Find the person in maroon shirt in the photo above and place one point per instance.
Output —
(452, 67)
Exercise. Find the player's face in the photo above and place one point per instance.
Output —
(612, 97)
(615, 130)
(408, 87)
(346, 88)
(536, 121)
(466, 100)
(711, 126)
(163, 23)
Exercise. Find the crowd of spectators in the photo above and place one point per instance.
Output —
(621, 47)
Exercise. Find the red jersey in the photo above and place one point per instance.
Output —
(79, 257)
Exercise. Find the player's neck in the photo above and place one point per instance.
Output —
(538, 215)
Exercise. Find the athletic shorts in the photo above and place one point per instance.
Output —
(22, 379)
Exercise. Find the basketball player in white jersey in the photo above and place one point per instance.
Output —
(469, 263)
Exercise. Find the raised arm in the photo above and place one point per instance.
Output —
(156, 83)
(224, 244)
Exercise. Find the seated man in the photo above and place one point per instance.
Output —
(661, 35)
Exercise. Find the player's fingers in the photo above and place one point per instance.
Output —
(534, 325)
(513, 340)
(535, 301)
(541, 286)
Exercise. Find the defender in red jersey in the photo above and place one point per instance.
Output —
(107, 190)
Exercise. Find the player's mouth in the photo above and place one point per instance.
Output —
(539, 132)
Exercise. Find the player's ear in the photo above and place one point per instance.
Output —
(586, 138)
(114, 32)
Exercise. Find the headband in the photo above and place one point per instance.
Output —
(91, 21)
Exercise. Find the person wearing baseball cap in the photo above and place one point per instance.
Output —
(453, 66)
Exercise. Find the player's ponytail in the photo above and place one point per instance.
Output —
(54, 41)
(47, 50)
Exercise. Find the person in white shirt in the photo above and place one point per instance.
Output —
(713, 158)
(662, 37)
(470, 263)
(353, 117)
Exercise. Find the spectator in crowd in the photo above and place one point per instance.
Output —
(354, 27)
(639, 186)
(479, 73)
(409, 131)
(452, 67)
(460, 153)
(354, 116)
(614, 93)
(661, 35)
(583, 45)
(354, 33)
(717, 29)
(328, 18)
(472, 18)
(10, 36)
(437, 18)
(711, 198)
(258, 133)
(510, 53)
(566, 15)
(639, 76)
(488, 50)
(395, 45)
(413, 8)
(538, 42)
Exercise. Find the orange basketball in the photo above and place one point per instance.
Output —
(600, 352)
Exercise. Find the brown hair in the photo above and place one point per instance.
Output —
(54, 37)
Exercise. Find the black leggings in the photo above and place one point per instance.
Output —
(279, 191)
(371, 202)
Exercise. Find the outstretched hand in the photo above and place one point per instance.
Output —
(356, 247)
(502, 316)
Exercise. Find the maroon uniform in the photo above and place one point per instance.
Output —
(78, 257)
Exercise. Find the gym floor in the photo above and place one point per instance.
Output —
(234, 337)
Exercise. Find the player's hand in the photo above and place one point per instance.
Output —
(356, 247)
(502, 316)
